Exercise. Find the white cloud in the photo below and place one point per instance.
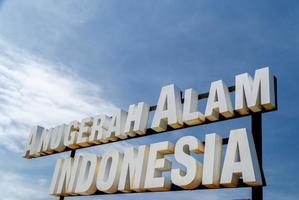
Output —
(69, 12)
(35, 91)
(15, 186)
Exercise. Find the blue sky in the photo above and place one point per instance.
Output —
(65, 60)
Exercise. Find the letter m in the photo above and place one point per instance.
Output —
(255, 93)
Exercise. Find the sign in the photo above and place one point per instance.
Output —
(141, 169)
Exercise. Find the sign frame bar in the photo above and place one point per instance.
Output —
(256, 129)
(150, 131)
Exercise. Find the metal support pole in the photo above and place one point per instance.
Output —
(256, 127)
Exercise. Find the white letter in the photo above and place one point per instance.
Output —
(218, 102)
(212, 161)
(133, 169)
(108, 177)
(240, 160)
(255, 93)
(43, 145)
(169, 109)
(72, 181)
(56, 175)
(70, 137)
(84, 132)
(190, 114)
(86, 184)
(34, 137)
(137, 119)
(57, 137)
(98, 130)
(65, 176)
(192, 177)
(117, 126)
(154, 180)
